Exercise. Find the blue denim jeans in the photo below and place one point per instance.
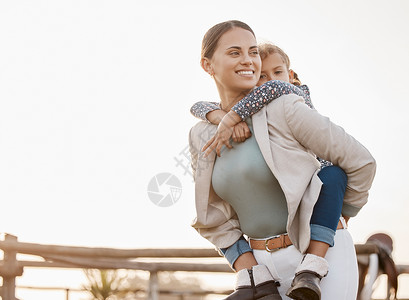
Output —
(325, 216)
(327, 210)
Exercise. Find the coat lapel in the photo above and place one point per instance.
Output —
(262, 137)
(204, 169)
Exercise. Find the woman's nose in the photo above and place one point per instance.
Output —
(247, 60)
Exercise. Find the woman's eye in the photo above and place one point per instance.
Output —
(254, 52)
(262, 76)
(278, 72)
(234, 53)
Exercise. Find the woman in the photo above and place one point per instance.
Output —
(285, 131)
(325, 219)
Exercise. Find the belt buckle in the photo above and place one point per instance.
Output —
(282, 239)
(268, 249)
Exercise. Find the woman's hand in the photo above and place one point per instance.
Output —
(241, 132)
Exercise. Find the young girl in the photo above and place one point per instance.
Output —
(324, 221)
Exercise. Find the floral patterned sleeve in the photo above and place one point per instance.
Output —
(253, 102)
(201, 108)
(307, 96)
(256, 99)
(266, 93)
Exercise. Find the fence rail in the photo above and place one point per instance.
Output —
(56, 256)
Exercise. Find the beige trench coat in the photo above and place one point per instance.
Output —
(288, 132)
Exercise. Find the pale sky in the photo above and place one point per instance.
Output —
(95, 99)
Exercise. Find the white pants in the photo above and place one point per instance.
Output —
(341, 283)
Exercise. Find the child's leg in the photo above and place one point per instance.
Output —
(327, 210)
(324, 221)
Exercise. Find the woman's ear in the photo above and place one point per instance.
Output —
(291, 74)
(207, 66)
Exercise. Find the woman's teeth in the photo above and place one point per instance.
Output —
(245, 72)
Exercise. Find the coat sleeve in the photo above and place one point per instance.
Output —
(330, 141)
(215, 219)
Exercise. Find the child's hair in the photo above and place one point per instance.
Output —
(266, 49)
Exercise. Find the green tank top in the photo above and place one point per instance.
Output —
(242, 178)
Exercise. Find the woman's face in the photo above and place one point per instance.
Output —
(273, 68)
(236, 63)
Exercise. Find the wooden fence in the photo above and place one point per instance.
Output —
(55, 256)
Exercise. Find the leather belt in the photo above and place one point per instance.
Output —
(277, 242)
(272, 244)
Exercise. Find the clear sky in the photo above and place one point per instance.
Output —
(95, 99)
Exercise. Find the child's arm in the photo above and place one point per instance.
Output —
(252, 103)
(263, 95)
(248, 106)
(211, 113)
(207, 111)
(307, 96)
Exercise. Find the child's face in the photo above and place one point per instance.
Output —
(273, 68)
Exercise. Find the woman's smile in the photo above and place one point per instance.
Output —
(246, 73)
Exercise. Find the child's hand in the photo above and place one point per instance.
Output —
(223, 134)
(221, 137)
(241, 132)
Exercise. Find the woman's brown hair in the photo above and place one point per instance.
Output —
(213, 35)
(267, 49)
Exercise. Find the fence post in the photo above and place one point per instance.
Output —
(9, 270)
(153, 289)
